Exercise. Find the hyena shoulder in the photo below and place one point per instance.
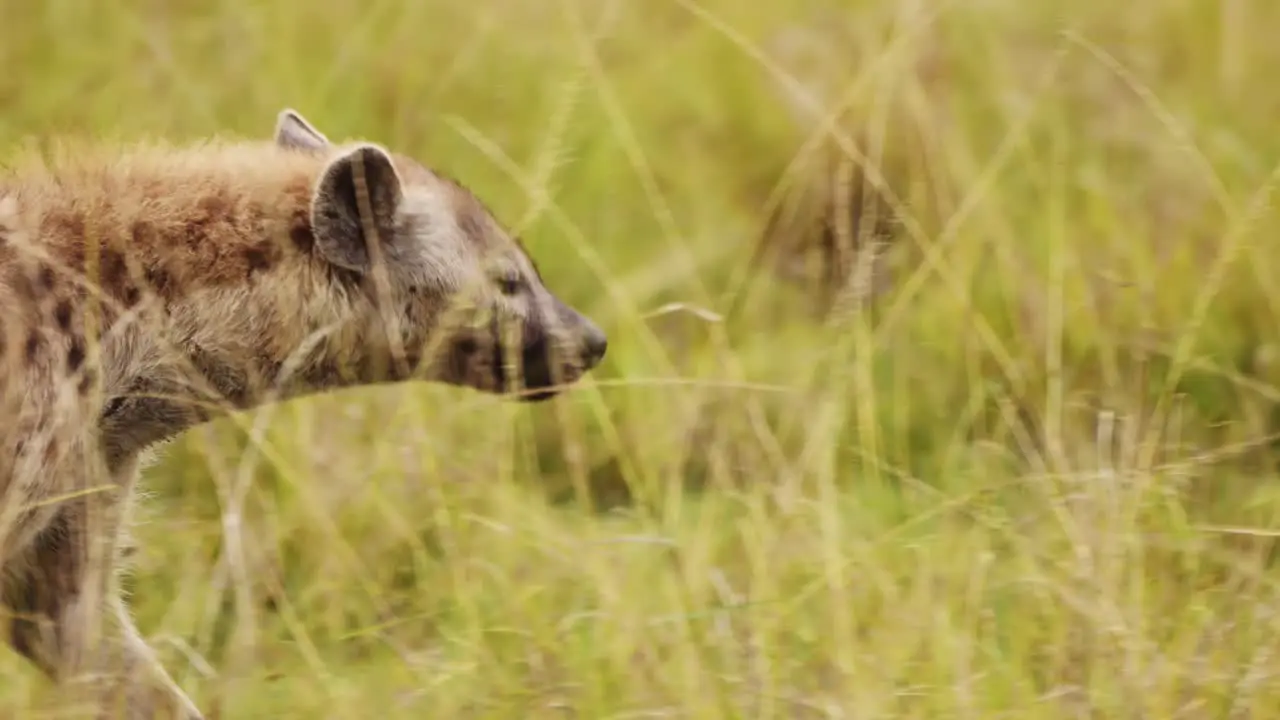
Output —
(89, 233)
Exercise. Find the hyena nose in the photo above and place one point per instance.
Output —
(595, 343)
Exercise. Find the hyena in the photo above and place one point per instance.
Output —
(147, 291)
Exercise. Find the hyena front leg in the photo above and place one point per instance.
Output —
(36, 586)
(44, 591)
(72, 622)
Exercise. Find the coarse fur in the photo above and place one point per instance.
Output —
(148, 290)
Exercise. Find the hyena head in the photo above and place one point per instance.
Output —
(435, 274)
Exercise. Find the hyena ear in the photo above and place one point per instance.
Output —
(295, 133)
(339, 217)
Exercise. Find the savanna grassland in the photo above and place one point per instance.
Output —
(1019, 463)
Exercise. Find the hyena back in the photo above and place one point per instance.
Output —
(148, 291)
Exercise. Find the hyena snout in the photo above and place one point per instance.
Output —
(594, 343)
(558, 354)
(590, 340)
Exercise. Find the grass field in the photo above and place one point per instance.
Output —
(1034, 476)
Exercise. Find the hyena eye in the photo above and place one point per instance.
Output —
(509, 284)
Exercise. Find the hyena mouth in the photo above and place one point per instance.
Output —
(546, 367)
(537, 381)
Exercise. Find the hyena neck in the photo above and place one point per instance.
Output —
(225, 351)
(239, 326)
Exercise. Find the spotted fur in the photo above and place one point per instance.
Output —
(148, 290)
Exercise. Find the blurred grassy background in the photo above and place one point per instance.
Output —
(1023, 468)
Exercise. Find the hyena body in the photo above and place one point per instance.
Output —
(149, 291)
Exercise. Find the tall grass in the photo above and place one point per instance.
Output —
(1033, 478)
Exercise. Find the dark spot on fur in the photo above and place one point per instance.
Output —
(197, 232)
(259, 258)
(131, 296)
(33, 345)
(113, 270)
(75, 257)
(143, 233)
(300, 233)
(62, 314)
(213, 209)
(86, 383)
(160, 280)
(46, 278)
(75, 355)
